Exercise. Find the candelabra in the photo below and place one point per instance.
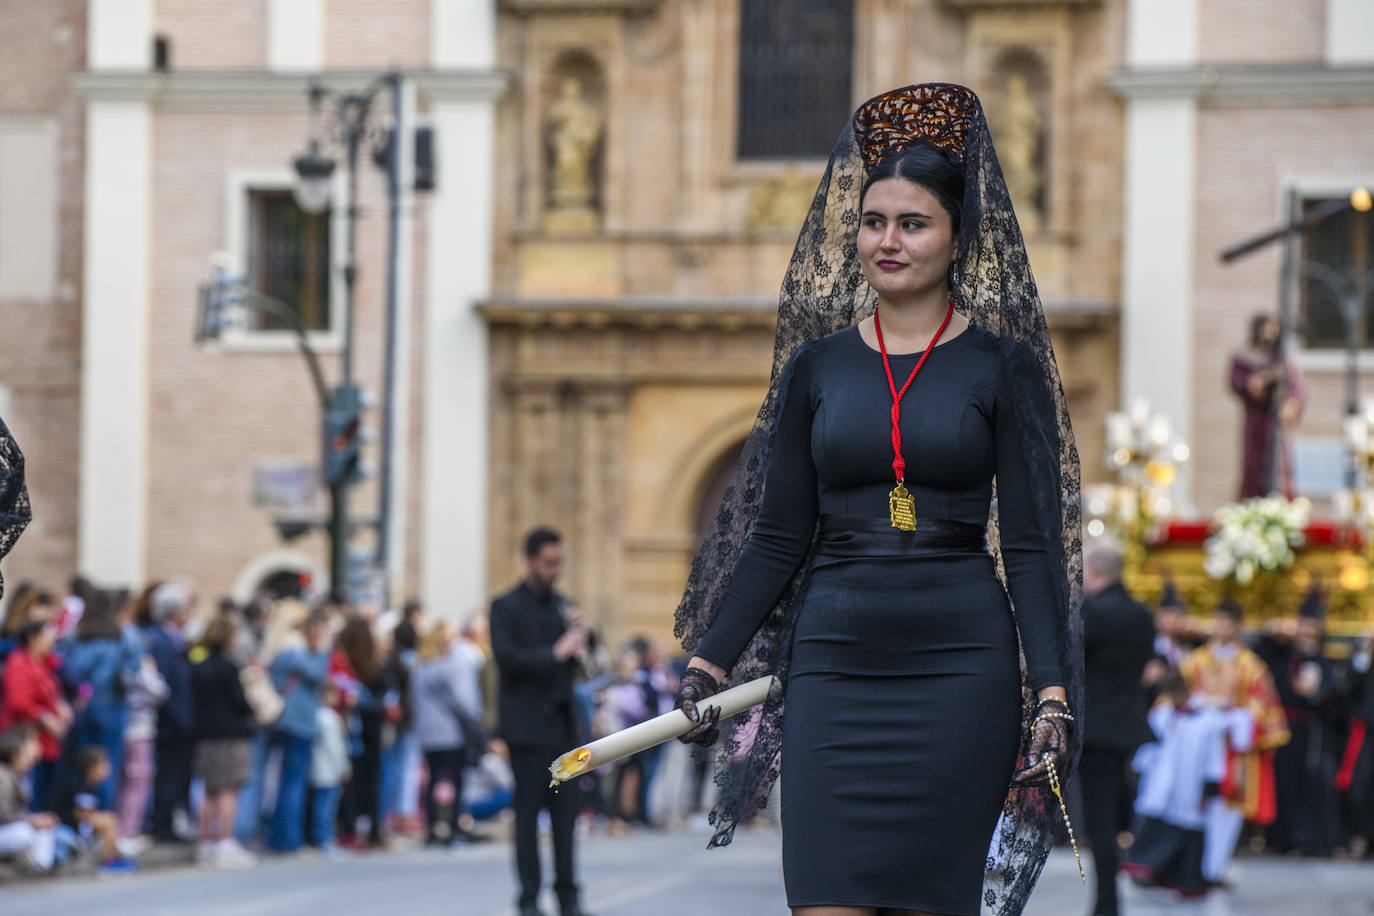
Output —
(1355, 504)
(1144, 456)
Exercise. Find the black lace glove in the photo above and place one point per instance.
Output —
(696, 685)
(1049, 737)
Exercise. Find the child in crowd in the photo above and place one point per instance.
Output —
(144, 694)
(76, 802)
(30, 837)
(1180, 773)
(330, 768)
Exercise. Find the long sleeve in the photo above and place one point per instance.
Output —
(23, 700)
(783, 530)
(1024, 554)
(511, 653)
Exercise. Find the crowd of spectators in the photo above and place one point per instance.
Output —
(285, 726)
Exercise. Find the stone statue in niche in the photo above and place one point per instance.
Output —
(575, 128)
(1020, 128)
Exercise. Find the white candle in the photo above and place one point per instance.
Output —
(1159, 429)
(655, 731)
(1118, 431)
(1140, 412)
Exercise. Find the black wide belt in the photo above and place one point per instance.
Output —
(842, 535)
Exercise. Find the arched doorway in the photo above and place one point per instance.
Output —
(284, 583)
(276, 574)
(712, 488)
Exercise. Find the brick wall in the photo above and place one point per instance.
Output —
(213, 34)
(40, 344)
(1261, 31)
(217, 413)
(1245, 155)
(363, 33)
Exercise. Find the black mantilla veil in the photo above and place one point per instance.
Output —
(824, 291)
(14, 496)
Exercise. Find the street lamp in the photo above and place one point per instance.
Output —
(223, 298)
(315, 171)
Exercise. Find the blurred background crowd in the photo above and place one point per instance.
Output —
(129, 720)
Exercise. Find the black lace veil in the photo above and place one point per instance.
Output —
(14, 496)
(824, 291)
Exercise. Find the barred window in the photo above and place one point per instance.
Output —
(1345, 243)
(288, 258)
(795, 62)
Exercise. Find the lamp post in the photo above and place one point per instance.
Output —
(345, 118)
(350, 119)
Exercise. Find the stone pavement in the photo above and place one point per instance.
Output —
(644, 874)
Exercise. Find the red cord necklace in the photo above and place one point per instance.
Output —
(900, 503)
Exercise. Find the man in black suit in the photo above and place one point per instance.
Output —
(1118, 639)
(536, 647)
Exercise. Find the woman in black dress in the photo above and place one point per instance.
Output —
(898, 647)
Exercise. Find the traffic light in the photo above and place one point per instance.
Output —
(343, 437)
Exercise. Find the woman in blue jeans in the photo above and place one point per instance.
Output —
(103, 659)
(297, 673)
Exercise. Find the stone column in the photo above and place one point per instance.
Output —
(1157, 269)
(458, 259)
(600, 516)
(113, 526)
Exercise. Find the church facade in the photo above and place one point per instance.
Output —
(659, 156)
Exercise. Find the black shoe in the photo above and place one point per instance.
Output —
(530, 909)
(573, 909)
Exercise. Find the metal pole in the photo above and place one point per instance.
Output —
(338, 544)
(1350, 310)
(354, 124)
(399, 128)
(1272, 482)
(353, 113)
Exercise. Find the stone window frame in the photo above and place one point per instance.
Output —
(1049, 36)
(731, 169)
(831, 125)
(1324, 360)
(239, 186)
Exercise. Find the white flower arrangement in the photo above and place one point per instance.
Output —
(1257, 535)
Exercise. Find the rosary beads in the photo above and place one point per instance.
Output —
(1054, 787)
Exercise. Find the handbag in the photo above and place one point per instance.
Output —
(262, 697)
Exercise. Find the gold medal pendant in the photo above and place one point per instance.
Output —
(902, 506)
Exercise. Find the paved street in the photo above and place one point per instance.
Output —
(647, 873)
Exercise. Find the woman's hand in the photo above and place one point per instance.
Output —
(696, 686)
(1049, 737)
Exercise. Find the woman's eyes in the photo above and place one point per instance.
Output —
(909, 225)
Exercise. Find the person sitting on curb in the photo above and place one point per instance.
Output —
(76, 802)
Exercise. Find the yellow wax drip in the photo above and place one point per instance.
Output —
(569, 765)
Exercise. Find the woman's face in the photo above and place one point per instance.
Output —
(906, 240)
(43, 641)
(1269, 332)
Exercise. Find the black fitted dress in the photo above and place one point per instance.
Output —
(902, 717)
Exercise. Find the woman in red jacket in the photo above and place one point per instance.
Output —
(31, 696)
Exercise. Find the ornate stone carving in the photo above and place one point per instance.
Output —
(1020, 128)
(781, 202)
(574, 130)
